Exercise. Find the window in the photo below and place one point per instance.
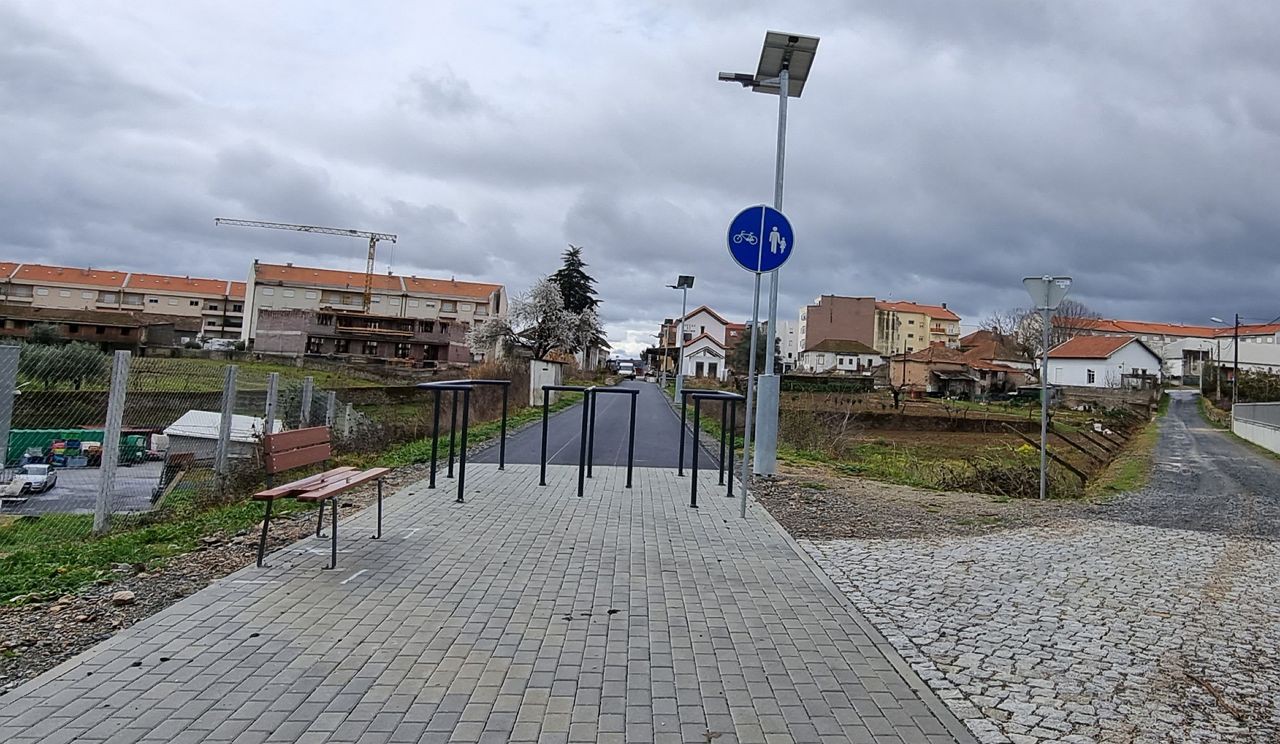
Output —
(911, 335)
(911, 322)
(426, 326)
(375, 299)
(395, 301)
(822, 358)
(211, 321)
(287, 292)
(342, 345)
(402, 350)
(466, 307)
(332, 297)
(212, 306)
(1091, 377)
(153, 301)
(482, 311)
(173, 300)
(413, 303)
(106, 297)
(86, 295)
(311, 295)
(431, 303)
(324, 319)
(42, 291)
(268, 291)
(448, 306)
(237, 308)
(370, 348)
(444, 328)
(73, 328)
(313, 345)
(64, 293)
(133, 299)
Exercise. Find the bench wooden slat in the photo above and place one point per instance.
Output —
(297, 439)
(296, 458)
(304, 484)
(350, 481)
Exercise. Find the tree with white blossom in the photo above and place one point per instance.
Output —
(537, 319)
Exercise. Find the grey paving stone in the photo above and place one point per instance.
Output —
(526, 614)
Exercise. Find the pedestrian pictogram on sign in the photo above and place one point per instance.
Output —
(760, 238)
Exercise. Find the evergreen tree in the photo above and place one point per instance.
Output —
(578, 289)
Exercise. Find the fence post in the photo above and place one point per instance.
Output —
(273, 395)
(223, 452)
(308, 388)
(111, 441)
(330, 408)
(8, 390)
(346, 422)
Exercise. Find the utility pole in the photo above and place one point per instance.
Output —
(1235, 373)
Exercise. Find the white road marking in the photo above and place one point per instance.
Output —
(409, 534)
(352, 576)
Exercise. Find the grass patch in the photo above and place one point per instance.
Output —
(55, 553)
(1131, 469)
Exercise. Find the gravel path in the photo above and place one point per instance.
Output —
(1152, 618)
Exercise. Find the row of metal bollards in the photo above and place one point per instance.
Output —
(463, 387)
(587, 436)
(728, 424)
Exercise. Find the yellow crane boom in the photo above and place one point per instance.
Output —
(373, 238)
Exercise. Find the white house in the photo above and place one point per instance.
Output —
(705, 343)
(1103, 362)
(839, 355)
(788, 344)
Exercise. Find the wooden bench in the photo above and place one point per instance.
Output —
(298, 448)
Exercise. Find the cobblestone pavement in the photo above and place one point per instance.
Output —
(524, 615)
(1116, 629)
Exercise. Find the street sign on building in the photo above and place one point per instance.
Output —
(760, 239)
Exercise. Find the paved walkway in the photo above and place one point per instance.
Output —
(523, 615)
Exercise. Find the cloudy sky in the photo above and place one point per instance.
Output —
(941, 151)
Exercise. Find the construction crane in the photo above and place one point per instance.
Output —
(373, 237)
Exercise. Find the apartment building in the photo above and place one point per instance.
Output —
(213, 308)
(338, 298)
(903, 327)
(836, 317)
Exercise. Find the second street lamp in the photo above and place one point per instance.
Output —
(684, 283)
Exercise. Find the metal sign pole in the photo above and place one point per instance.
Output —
(1044, 403)
(766, 455)
(751, 395)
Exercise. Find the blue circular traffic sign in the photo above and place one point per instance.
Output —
(760, 238)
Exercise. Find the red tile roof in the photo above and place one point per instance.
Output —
(354, 280)
(66, 275)
(1090, 347)
(709, 311)
(191, 285)
(902, 306)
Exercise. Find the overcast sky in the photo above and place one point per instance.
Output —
(941, 151)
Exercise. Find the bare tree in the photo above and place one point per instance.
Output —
(1021, 327)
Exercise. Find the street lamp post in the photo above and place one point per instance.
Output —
(684, 283)
(1047, 293)
(783, 69)
(1235, 365)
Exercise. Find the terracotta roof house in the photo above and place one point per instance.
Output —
(1104, 361)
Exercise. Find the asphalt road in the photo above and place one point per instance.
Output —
(657, 433)
(1204, 479)
(77, 492)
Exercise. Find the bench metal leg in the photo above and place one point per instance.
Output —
(320, 521)
(262, 541)
(379, 533)
(333, 530)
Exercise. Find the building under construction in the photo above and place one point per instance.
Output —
(302, 310)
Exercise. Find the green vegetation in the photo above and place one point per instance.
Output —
(1216, 417)
(54, 553)
(1131, 469)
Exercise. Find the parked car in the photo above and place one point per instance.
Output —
(36, 477)
(627, 370)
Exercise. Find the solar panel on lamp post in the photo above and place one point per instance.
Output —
(1047, 293)
(783, 69)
